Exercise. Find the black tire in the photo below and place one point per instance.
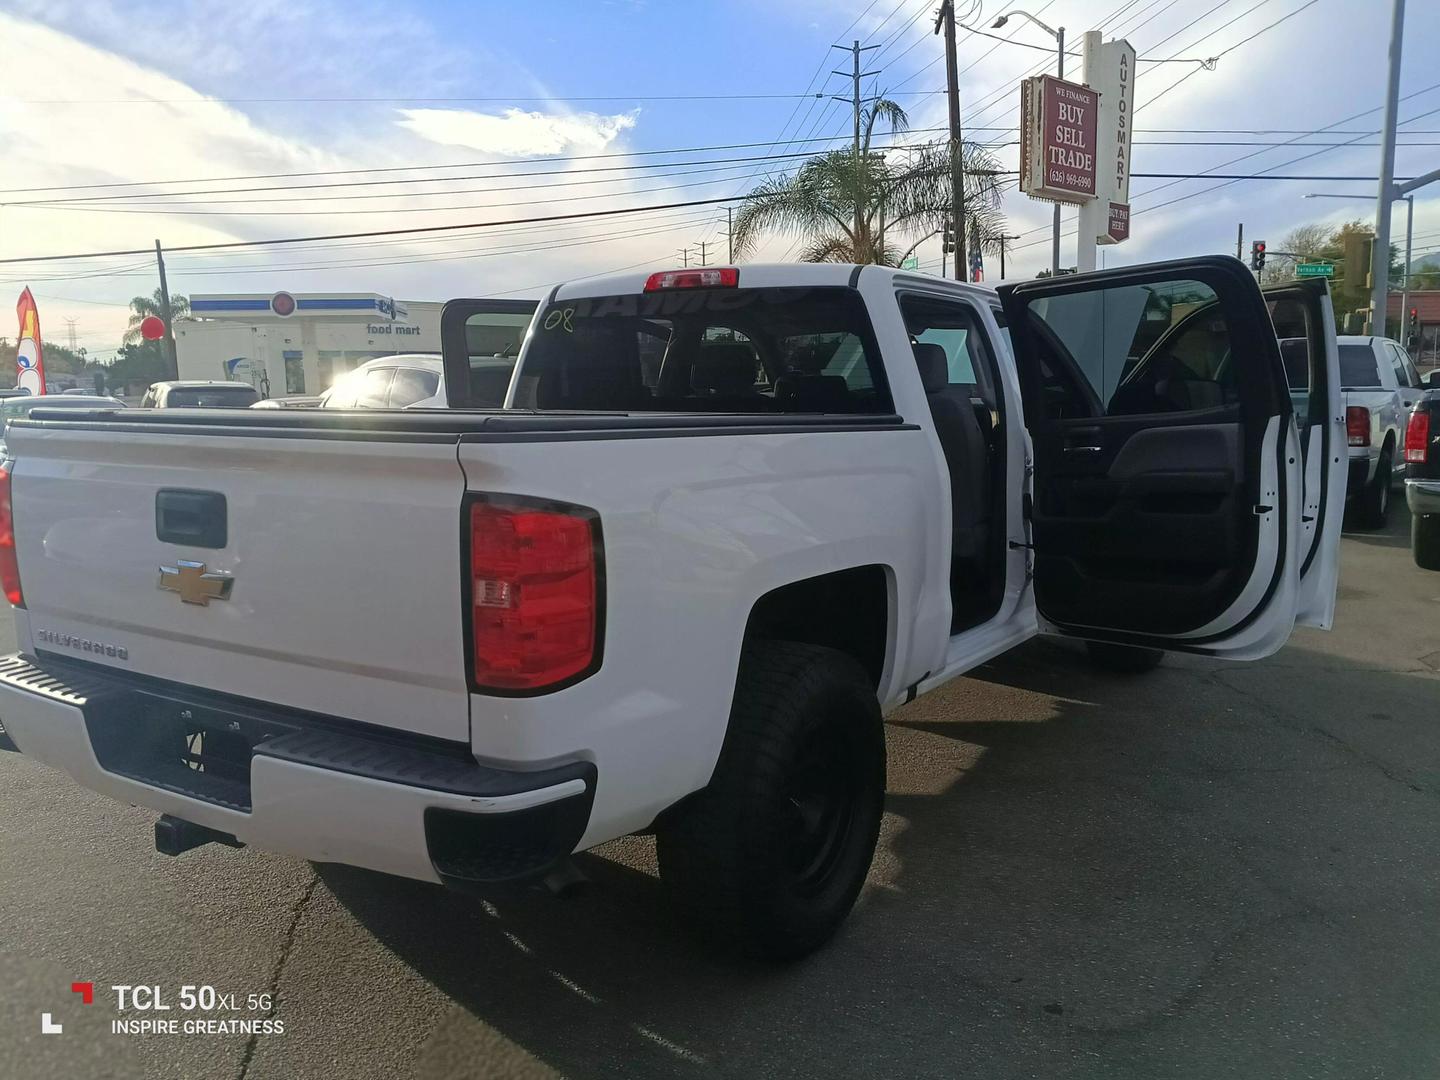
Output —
(1123, 659)
(1425, 541)
(770, 857)
(1372, 508)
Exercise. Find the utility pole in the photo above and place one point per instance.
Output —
(702, 245)
(1380, 257)
(1059, 74)
(946, 21)
(1240, 240)
(70, 330)
(856, 75)
(1405, 285)
(1002, 240)
(165, 313)
(685, 257)
(730, 234)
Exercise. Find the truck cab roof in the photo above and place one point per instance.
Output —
(767, 275)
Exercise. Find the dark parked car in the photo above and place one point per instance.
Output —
(1422, 477)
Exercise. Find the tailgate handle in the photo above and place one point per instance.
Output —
(193, 518)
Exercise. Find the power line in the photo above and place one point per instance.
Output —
(180, 209)
(1232, 48)
(410, 168)
(415, 230)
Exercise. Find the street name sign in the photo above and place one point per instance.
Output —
(1315, 270)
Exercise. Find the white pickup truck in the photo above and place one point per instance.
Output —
(1380, 386)
(726, 519)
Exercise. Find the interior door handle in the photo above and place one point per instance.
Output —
(1084, 440)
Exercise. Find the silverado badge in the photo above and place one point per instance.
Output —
(194, 585)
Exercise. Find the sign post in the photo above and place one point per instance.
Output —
(1109, 69)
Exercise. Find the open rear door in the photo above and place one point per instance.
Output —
(1168, 486)
(480, 341)
(1305, 324)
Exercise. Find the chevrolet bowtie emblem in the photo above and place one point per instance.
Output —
(194, 585)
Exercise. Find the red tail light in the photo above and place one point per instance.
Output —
(1357, 425)
(9, 564)
(712, 277)
(1417, 437)
(535, 573)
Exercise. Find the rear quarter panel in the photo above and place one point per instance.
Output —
(696, 529)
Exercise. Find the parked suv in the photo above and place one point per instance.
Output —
(1381, 386)
(199, 395)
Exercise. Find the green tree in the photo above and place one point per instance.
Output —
(142, 307)
(1318, 242)
(902, 194)
(142, 362)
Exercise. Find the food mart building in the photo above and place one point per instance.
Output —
(298, 343)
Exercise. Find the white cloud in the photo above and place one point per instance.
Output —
(516, 132)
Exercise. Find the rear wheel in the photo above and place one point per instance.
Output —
(1123, 659)
(1425, 540)
(1372, 508)
(771, 856)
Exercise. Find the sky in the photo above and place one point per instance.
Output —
(437, 109)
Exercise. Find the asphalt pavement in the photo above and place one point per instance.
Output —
(1212, 870)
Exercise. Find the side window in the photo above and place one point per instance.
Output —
(1405, 373)
(955, 327)
(374, 388)
(412, 385)
(148, 401)
(1402, 378)
(1410, 368)
(1161, 347)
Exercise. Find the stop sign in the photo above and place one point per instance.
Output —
(152, 328)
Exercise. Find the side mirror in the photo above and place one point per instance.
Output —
(1433, 379)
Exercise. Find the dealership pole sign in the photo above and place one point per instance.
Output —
(1112, 73)
(1060, 123)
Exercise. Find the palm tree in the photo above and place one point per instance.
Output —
(897, 199)
(142, 307)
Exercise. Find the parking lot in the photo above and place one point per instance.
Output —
(1212, 870)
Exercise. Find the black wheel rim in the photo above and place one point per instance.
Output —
(820, 807)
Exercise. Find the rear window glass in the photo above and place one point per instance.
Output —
(212, 398)
(1358, 367)
(793, 350)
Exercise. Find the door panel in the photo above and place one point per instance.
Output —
(1305, 324)
(1156, 401)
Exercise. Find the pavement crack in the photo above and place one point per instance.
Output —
(1295, 723)
(297, 911)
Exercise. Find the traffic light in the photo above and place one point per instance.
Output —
(1257, 255)
(1359, 249)
(948, 240)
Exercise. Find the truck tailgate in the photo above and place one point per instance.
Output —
(343, 554)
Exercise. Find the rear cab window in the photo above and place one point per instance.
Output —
(780, 350)
(212, 397)
(1358, 368)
